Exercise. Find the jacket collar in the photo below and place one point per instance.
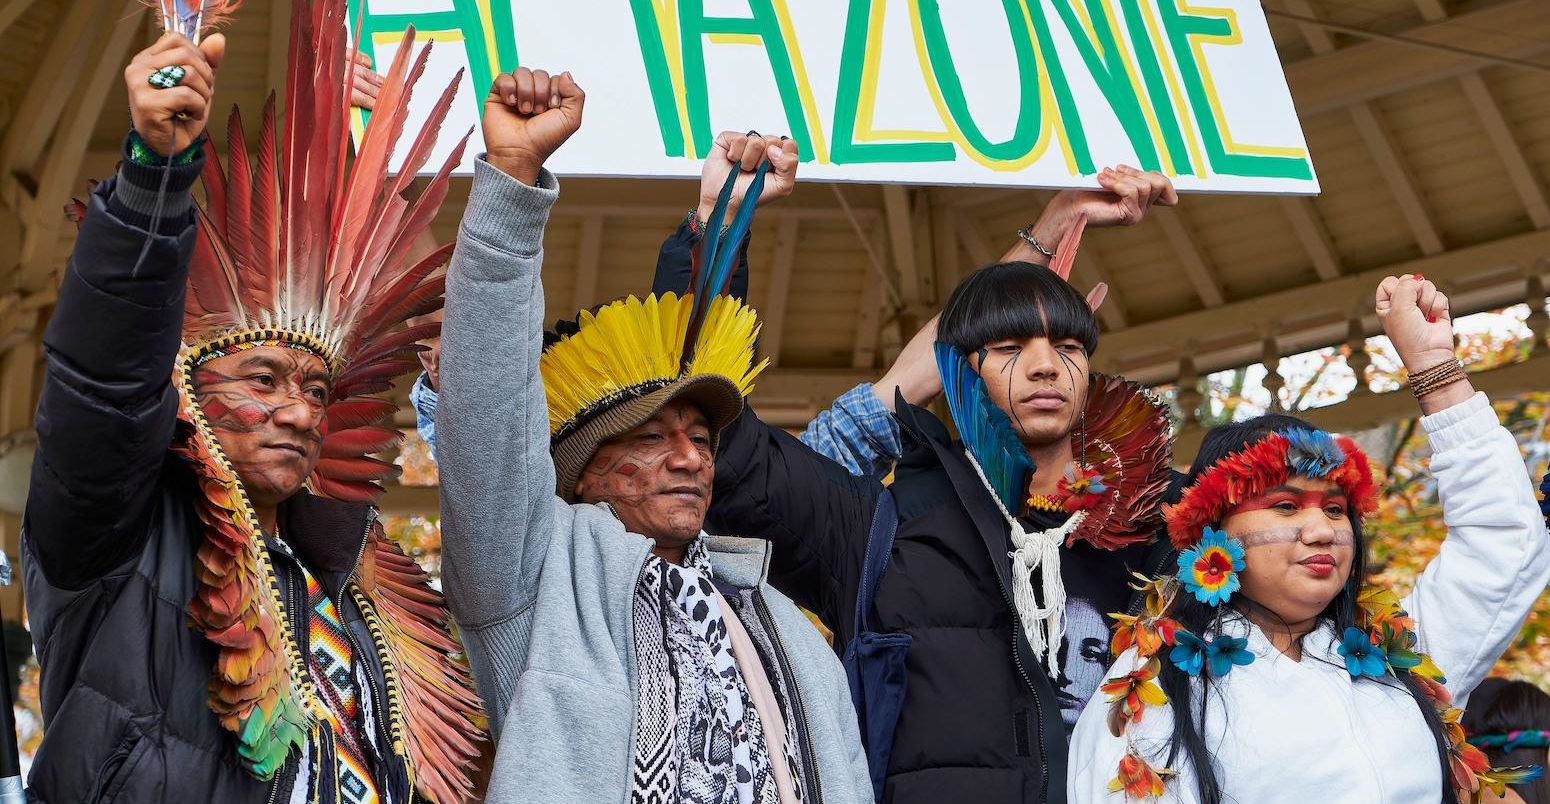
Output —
(929, 432)
(744, 563)
(326, 535)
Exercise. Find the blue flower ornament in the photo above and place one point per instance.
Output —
(1362, 658)
(1193, 654)
(1209, 570)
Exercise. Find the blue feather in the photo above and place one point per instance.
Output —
(1312, 453)
(719, 253)
(985, 429)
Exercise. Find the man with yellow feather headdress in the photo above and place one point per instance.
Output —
(624, 654)
(218, 614)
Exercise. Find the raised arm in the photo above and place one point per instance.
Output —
(732, 151)
(108, 408)
(1474, 596)
(498, 503)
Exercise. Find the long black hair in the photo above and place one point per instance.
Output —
(1189, 716)
(1015, 300)
(1499, 706)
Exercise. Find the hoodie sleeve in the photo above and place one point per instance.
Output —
(1474, 596)
(498, 506)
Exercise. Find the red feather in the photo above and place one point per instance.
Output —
(400, 343)
(362, 411)
(358, 469)
(359, 442)
(239, 206)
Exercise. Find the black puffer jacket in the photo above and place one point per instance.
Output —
(982, 718)
(110, 532)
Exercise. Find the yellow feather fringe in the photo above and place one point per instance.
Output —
(632, 342)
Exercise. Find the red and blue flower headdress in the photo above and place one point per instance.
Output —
(1265, 465)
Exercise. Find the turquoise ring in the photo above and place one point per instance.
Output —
(167, 77)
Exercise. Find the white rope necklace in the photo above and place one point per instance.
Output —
(1037, 551)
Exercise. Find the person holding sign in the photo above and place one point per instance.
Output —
(218, 612)
(1261, 668)
(1063, 470)
(623, 653)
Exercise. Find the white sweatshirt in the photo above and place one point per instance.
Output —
(1304, 732)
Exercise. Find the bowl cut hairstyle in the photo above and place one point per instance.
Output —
(1015, 300)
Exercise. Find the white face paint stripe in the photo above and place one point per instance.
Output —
(1287, 535)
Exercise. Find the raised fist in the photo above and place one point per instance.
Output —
(169, 119)
(528, 115)
(744, 152)
(1415, 316)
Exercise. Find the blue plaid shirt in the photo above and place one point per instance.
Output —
(856, 432)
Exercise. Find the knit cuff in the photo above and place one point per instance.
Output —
(507, 214)
(135, 194)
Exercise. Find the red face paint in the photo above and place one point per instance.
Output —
(627, 469)
(1299, 497)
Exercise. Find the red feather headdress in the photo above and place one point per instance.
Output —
(302, 247)
(1264, 465)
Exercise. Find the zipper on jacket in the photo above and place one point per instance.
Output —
(1038, 719)
(384, 706)
(377, 697)
(762, 610)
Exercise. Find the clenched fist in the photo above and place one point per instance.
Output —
(169, 120)
(528, 115)
(743, 153)
(1414, 314)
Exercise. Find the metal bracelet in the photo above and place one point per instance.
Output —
(1026, 233)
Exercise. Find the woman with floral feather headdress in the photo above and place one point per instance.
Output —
(1263, 670)
(218, 613)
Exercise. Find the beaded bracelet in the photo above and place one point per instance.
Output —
(1431, 379)
(141, 154)
(698, 226)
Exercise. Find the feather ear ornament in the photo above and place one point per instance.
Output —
(986, 431)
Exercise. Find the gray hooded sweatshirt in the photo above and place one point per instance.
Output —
(542, 590)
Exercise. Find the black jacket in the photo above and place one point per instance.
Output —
(110, 533)
(981, 719)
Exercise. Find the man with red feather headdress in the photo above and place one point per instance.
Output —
(217, 611)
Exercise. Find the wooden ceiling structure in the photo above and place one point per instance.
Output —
(1428, 121)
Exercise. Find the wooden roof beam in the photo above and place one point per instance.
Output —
(1374, 69)
(869, 323)
(773, 315)
(1525, 179)
(62, 164)
(1195, 266)
(901, 241)
(1384, 153)
(973, 240)
(1484, 276)
(1313, 234)
(1089, 266)
(11, 11)
(57, 73)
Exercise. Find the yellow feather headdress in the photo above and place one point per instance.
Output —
(632, 347)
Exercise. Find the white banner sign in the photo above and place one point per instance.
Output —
(992, 92)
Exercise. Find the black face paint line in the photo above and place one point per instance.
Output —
(1078, 406)
(1010, 371)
